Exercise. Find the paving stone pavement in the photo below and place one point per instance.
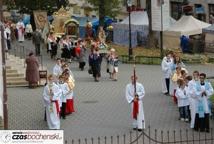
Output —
(101, 107)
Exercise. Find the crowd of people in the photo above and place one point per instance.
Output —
(191, 92)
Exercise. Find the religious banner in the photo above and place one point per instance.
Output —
(40, 18)
(160, 15)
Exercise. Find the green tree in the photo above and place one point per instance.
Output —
(106, 8)
(28, 6)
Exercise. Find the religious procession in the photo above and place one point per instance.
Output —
(89, 78)
(190, 92)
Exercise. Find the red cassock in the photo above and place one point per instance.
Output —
(69, 106)
(135, 109)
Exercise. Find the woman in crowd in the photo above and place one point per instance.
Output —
(95, 63)
(113, 64)
(32, 70)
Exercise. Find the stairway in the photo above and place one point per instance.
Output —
(15, 71)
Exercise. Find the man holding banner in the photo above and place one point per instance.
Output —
(134, 95)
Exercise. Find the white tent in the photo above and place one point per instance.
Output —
(137, 18)
(187, 25)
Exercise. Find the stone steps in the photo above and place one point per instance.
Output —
(15, 72)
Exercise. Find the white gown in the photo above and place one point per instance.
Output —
(209, 91)
(192, 101)
(166, 69)
(20, 28)
(140, 122)
(53, 118)
(64, 92)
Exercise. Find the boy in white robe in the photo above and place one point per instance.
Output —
(166, 65)
(65, 91)
(57, 69)
(131, 97)
(193, 97)
(51, 97)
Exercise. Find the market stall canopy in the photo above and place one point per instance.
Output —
(187, 25)
(139, 29)
(209, 29)
(137, 18)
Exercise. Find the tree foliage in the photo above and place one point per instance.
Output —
(108, 7)
(27, 6)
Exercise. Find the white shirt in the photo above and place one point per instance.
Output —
(182, 96)
(57, 70)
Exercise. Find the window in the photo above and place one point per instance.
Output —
(211, 13)
(176, 10)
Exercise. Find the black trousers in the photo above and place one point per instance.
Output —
(81, 65)
(63, 108)
(202, 124)
(37, 46)
(167, 80)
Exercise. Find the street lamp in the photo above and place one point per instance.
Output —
(129, 3)
(161, 32)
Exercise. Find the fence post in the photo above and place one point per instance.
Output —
(212, 136)
(149, 135)
(162, 136)
(143, 136)
(187, 135)
(72, 141)
(98, 140)
(137, 136)
(174, 136)
(130, 138)
(92, 141)
(180, 135)
(118, 139)
(111, 139)
(86, 141)
(168, 136)
(79, 141)
(199, 135)
(193, 137)
(105, 140)
(124, 139)
(156, 136)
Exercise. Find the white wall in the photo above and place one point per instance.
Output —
(1, 81)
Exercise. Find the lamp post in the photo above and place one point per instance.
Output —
(161, 32)
(129, 3)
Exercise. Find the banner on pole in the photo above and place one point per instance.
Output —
(40, 18)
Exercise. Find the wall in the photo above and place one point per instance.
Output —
(1, 81)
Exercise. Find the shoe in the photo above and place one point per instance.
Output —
(167, 94)
(64, 118)
(134, 128)
(140, 130)
(182, 119)
(186, 120)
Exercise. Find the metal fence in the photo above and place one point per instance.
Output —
(153, 136)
